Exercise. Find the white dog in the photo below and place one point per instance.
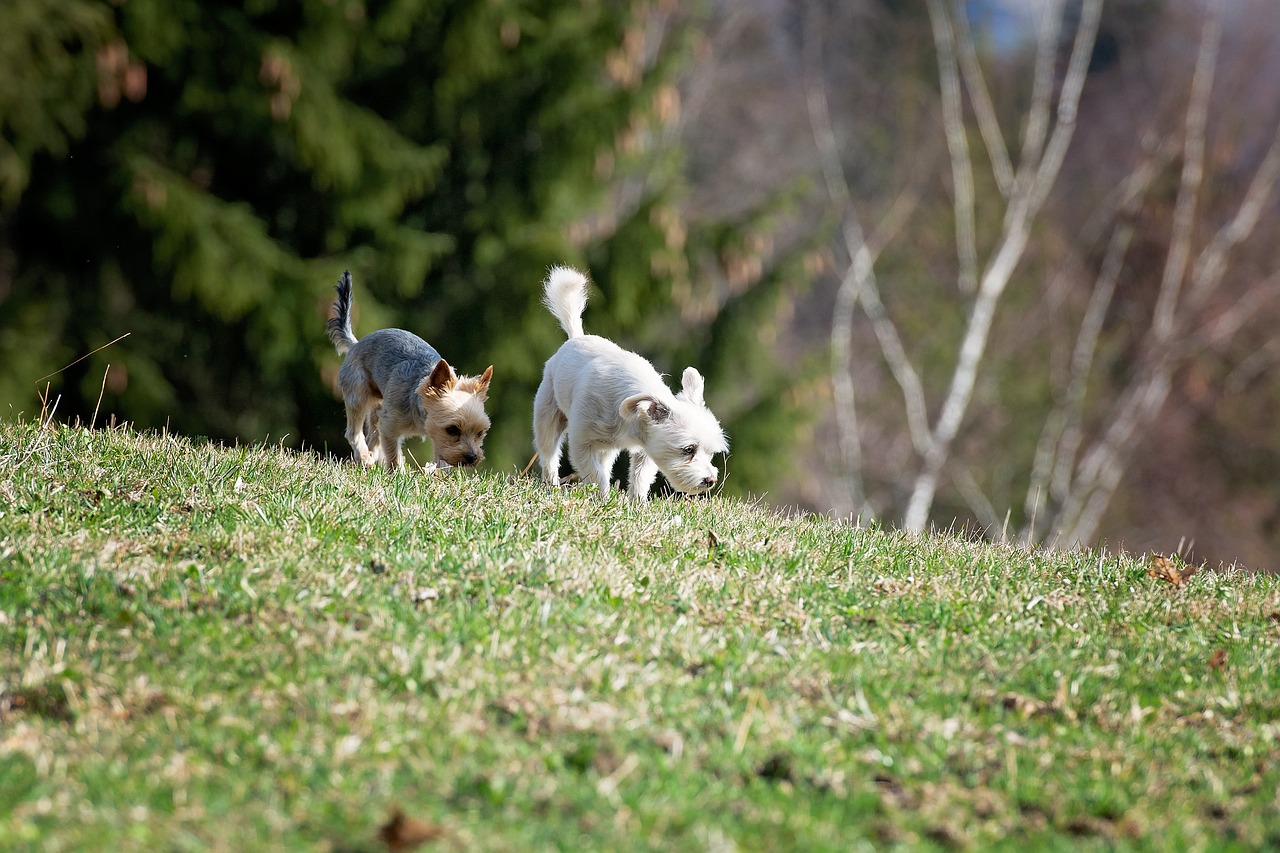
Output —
(610, 400)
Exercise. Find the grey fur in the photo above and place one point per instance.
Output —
(395, 385)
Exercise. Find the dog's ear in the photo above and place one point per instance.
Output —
(644, 407)
(440, 380)
(693, 386)
(477, 385)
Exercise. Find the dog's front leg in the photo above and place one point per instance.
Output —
(643, 472)
(593, 466)
(391, 452)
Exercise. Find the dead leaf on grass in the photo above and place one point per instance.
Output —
(1027, 706)
(1169, 569)
(671, 742)
(401, 832)
(948, 835)
(713, 543)
(776, 768)
(1218, 660)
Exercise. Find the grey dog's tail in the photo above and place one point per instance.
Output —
(565, 294)
(339, 325)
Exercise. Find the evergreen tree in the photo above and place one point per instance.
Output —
(198, 175)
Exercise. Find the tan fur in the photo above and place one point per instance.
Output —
(395, 386)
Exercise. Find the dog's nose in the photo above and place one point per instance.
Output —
(470, 459)
(709, 481)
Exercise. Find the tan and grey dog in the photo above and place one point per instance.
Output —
(395, 386)
(609, 400)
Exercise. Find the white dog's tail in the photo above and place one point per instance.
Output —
(565, 294)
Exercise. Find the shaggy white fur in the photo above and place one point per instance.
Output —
(608, 400)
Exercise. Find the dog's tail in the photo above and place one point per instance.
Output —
(565, 294)
(339, 325)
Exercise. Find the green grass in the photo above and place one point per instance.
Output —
(255, 649)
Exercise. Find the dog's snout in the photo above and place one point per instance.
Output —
(470, 459)
(708, 481)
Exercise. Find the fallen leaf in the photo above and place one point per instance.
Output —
(1167, 569)
(671, 742)
(1027, 706)
(776, 768)
(1218, 660)
(713, 543)
(401, 833)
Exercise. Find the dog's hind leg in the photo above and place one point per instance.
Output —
(549, 424)
(358, 409)
(371, 437)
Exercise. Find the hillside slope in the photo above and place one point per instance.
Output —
(252, 649)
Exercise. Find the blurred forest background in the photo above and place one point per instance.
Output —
(998, 265)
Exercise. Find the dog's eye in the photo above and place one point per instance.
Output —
(453, 431)
(690, 450)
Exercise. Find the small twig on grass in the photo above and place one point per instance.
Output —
(82, 358)
(101, 391)
(46, 416)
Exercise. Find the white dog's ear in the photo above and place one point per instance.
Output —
(693, 386)
(644, 407)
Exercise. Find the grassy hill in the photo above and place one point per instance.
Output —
(253, 649)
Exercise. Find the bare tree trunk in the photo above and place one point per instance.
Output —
(857, 285)
(1035, 178)
(1072, 478)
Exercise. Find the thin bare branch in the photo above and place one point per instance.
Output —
(1060, 440)
(1262, 359)
(1086, 524)
(1192, 176)
(1100, 468)
(845, 398)
(856, 277)
(977, 501)
(1224, 327)
(957, 144)
(1055, 458)
(1173, 321)
(1023, 207)
(1046, 172)
(1041, 91)
(860, 283)
(891, 223)
(1211, 266)
(975, 84)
